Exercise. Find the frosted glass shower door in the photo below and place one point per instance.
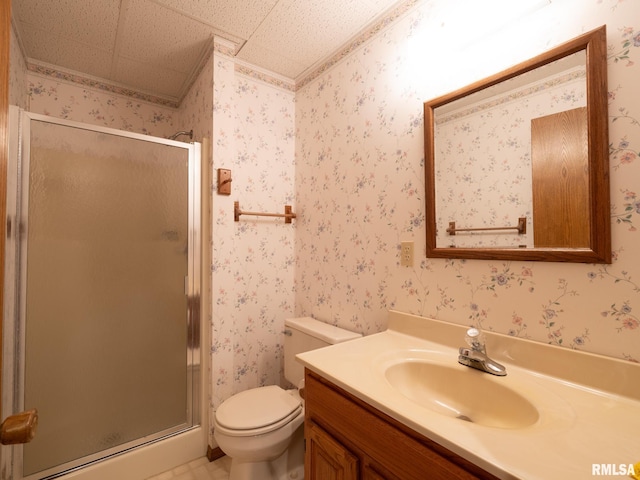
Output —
(106, 323)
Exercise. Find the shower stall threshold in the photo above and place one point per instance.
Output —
(144, 461)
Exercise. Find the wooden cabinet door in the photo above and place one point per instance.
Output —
(560, 162)
(370, 472)
(362, 442)
(327, 459)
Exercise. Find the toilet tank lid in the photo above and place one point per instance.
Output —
(323, 331)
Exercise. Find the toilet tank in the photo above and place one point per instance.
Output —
(304, 334)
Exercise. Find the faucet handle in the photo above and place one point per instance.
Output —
(475, 339)
(473, 332)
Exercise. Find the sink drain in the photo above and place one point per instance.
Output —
(465, 418)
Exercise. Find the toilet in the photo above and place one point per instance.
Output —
(262, 429)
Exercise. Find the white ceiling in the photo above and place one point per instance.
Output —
(157, 46)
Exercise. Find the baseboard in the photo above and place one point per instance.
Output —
(214, 453)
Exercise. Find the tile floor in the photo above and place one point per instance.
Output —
(200, 469)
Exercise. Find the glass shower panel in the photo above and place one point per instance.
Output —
(106, 313)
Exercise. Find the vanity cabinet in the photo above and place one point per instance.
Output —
(347, 439)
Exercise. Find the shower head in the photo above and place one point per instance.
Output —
(184, 132)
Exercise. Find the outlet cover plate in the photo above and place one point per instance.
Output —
(406, 254)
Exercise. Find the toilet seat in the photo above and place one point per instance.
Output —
(257, 411)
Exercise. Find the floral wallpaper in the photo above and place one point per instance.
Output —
(253, 259)
(196, 109)
(484, 167)
(18, 93)
(346, 151)
(60, 99)
(360, 184)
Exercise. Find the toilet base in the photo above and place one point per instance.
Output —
(288, 466)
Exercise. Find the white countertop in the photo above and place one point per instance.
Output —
(588, 405)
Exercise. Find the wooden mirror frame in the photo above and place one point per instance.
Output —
(594, 43)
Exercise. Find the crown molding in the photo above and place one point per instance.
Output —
(362, 37)
(230, 48)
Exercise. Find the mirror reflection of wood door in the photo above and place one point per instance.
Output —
(559, 155)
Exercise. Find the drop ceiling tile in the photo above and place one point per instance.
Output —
(237, 17)
(92, 22)
(47, 47)
(283, 36)
(150, 78)
(308, 31)
(157, 35)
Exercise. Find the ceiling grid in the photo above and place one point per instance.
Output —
(154, 49)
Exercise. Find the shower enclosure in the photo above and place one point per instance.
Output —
(102, 299)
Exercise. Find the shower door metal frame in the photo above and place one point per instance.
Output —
(15, 287)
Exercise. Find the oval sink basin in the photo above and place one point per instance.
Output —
(462, 393)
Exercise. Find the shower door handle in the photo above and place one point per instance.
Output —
(19, 428)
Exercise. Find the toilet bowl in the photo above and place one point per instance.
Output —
(262, 429)
(257, 429)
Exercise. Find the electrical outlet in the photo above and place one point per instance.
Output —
(406, 254)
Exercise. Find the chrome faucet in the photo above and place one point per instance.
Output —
(476, 356)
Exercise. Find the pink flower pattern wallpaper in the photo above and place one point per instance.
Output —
(360, 186)
(346, 150)
(484, 165)
(253, 259)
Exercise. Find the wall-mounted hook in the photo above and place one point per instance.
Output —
(224, 181)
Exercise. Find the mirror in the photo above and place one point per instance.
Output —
(517, 164)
